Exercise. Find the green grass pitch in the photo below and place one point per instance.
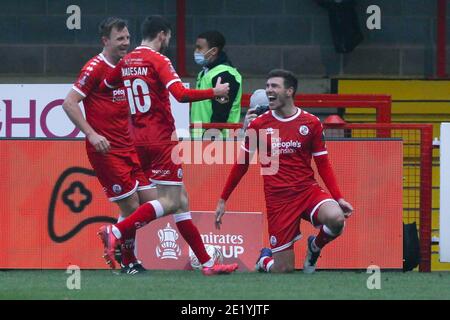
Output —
(192, 285)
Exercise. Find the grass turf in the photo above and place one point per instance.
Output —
(191, 285)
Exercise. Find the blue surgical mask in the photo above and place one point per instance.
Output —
(200, 59)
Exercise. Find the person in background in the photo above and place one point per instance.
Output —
(215, 64)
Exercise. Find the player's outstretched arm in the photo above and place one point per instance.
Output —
(326, 172)
(73, 111)
(239, 169)
(220, 211)
(183, 94)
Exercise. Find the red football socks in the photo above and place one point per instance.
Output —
(127, 251)
(267, 263)
(142, 216)
(190, 233)
(325, 236)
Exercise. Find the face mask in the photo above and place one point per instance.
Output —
(200, 58)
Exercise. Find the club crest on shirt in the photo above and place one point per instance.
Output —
(83, 80)
(223, 100)
(273, 241)
(180, 173)
(117, 188)
(304, 130)
(269, 131)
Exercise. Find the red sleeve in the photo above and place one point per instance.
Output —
(240, 168)
(169, 77)
(237, 172)
(88, 80)
(318, 142)
(183, 94)
(166, 72)
(326, 172)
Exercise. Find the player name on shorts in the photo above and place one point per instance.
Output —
(134, 71)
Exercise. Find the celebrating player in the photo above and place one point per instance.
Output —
(109, 144)
(148, 77)
(291, 192)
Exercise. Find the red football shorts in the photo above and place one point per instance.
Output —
(284, 214)
(119, 172)
(158, 164)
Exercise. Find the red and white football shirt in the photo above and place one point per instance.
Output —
(147, 75)
(290, 143)
(106, 110)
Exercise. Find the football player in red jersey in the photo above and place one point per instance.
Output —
(292, 137)
(148, 77)
(109, 144)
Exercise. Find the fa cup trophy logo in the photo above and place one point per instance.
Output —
(168, 247)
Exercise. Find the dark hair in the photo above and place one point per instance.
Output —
(153, 25)
(108, 24)
(290, 80)
(213, 38)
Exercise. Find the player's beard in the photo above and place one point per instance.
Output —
(121, 52)
(164, 47)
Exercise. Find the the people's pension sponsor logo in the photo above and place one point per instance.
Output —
(119, 95)
(284, 147)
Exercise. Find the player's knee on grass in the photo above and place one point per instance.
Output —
(281, 267)
(284, 261)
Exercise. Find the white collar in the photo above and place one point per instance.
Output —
(106, 60)
(299, 112)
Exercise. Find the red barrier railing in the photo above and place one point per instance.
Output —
(381, 103)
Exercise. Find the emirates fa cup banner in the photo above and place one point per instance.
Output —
(159, 245)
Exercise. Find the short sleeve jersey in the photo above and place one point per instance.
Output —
(290, 144)
(106, 110)
(147, 75)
